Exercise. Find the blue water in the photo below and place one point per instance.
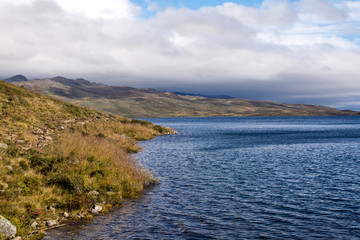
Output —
(243, 178)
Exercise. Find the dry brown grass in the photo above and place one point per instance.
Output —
(74, 152)
(103, 163)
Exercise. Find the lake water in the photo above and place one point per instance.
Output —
(243, 178)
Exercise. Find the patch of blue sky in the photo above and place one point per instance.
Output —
(190, 4)
(352, 38)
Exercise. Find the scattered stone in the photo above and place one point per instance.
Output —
(51, 223)
(4, 146)
(7, 230)
(4, 186)
(69, 121)
(48, 138)
(51, 208)
(38, 132)
(93, 193)
(34, 224)
(20, 141)
(61, 128)
(75, 161)
(8, 167)
(41, 145)
(17, 238)
(96, 210)
(27, 146)
(80, 216)
(65, 214)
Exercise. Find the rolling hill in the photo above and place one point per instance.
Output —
(136, 103)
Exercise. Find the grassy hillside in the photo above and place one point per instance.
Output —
(56, 157)
(132, 102)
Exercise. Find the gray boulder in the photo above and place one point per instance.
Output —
(96, 210)
(51, 223)
(7, 230)
(34, 224)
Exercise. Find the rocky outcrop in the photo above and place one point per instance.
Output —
(51, 223)
(96, 210)
(7, 230)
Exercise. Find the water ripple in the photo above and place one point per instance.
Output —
(244, 178)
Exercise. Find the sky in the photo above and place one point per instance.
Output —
(299, 51)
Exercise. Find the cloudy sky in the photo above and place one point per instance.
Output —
(303, 51)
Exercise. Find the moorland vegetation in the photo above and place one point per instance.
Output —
(60, 162)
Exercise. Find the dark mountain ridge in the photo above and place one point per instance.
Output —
(137, 102)
(17, 78)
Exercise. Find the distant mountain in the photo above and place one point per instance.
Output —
(135, 102)
(203, 95)
(17, 78)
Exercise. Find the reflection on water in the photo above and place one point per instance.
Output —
(243, 178)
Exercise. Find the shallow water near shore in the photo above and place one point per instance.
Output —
(243, 178)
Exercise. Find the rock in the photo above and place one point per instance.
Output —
(41, 145)
(8, 167)
(48, 138)
(38, 132)
(65, 214)
(27, 146)
(69, 121)
(51, 223)
(75, 161)
(4, 186)
(4, 146)
(17, 238)
(96, 210)
(34, 224)
(93, 193)
(7, 230)
(51, 208)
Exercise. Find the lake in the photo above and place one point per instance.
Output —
(243, 178)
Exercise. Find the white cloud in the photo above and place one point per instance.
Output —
(320, 10)
(100, 9)
(103, 40)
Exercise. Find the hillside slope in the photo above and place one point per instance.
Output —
(56, 157)
(133, 102)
